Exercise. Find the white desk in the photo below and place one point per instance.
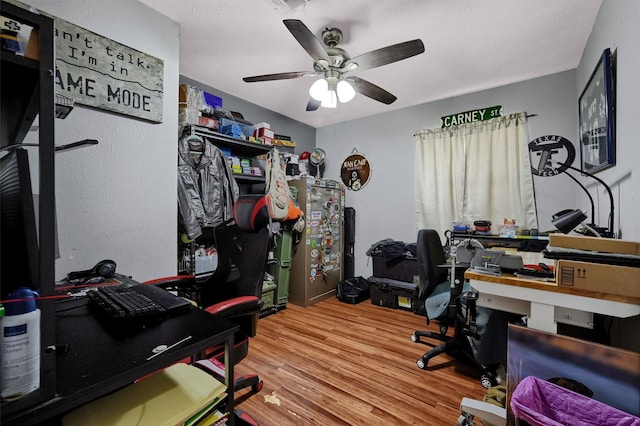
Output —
(547, 304)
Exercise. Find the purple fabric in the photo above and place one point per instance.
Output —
(542, 403)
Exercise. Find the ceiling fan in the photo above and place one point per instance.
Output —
(333, 63)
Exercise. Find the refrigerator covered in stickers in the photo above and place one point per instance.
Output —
(317, 260)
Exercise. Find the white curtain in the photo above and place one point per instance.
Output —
(475, 171)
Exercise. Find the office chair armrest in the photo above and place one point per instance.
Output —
(176, 280)
(235, 306)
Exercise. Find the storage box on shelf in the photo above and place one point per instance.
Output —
(268, 298)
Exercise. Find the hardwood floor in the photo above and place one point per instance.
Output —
(340, 364)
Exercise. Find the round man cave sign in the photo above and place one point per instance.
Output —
(355, 171)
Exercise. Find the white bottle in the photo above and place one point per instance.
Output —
(20, 354)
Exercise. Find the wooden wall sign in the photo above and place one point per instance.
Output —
(98, 72)
(355, 171)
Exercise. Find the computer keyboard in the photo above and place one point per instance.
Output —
(135, 304)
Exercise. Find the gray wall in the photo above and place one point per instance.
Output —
(386, 207)
(616, 27)
(302, 134)
(117, 200)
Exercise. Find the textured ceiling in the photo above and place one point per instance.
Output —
(470, 45)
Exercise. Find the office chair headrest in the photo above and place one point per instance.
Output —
(251, 212)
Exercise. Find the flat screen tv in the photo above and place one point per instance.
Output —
(18, 231)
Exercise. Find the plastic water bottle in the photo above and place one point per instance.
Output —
(20, 353)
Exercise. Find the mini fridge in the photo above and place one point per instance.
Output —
(317, 260)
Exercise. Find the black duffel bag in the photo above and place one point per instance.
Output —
(353, 290)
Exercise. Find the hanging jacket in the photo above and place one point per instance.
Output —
(207, 189)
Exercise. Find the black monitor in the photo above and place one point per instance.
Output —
(19, 251)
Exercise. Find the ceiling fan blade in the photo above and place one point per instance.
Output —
(280, 76)
(313, 105)
(387, 55)
(306, 39)
(371, 90)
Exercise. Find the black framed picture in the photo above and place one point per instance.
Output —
(597, 119)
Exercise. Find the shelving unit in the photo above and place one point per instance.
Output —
(238, 147)
(496, 239)
(246, 182)
(27, 92)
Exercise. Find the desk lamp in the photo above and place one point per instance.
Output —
(601, 232)
(567, 220)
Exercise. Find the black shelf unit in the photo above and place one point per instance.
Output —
(237, 146)
(496, 239)
(246, 183)
(27, 91)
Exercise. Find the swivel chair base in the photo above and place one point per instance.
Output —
(454, 347)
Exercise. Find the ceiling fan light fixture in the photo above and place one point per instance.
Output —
(319, 89)
(330, 99)
(345, 90)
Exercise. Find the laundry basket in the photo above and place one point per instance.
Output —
(541, 403)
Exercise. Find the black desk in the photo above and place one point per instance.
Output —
(99, 362)
(497, 239)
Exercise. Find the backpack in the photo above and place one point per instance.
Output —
(281, 204)
(353, 290)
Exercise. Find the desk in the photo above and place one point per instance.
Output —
(547, 304)
(98, 362)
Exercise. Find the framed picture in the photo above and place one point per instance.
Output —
(597, 119)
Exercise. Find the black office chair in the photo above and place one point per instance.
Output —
(450, 304)
(233, 291)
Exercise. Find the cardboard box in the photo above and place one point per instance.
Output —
(263, 132)
(605, 245)
(599, 277)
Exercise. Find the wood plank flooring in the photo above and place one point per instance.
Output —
(340, 364)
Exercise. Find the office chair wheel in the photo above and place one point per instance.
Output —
(443, 329)
(414, 338)
(488, 381)
(465, 420)
(421, 363)
(257, 387)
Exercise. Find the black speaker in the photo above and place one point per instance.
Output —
(349, 225)
(349, 242)
(105, 268)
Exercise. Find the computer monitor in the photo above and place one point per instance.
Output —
(18, 230)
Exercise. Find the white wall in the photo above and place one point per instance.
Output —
(117, 200)
(386, 207)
